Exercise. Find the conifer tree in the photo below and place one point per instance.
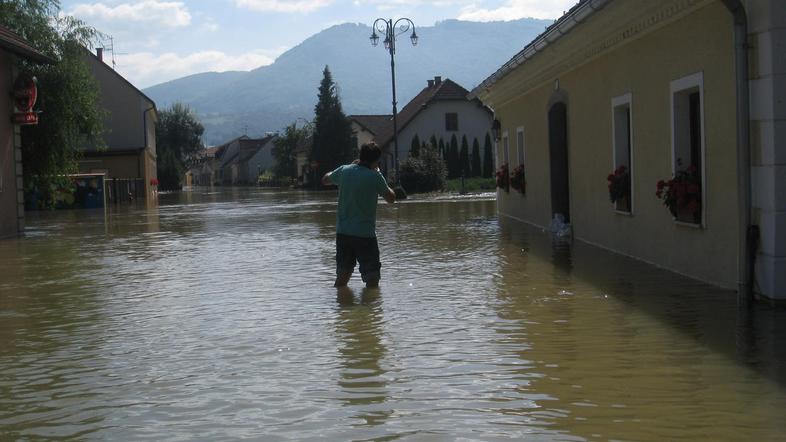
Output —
(442, 151)
(454, 164)
(332, 130)
(433, 142)
(414, 150)
(464, 169)
(476, 171)
(488, 158)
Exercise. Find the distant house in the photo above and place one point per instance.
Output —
(240, 161)
(129, 153)
(204, 172)
(226, 166)
(365, 128)
(302, 154)
(691, 90)
(12, 210)
(258, 160)
(441, 110)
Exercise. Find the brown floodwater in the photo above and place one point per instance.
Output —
(212, 317)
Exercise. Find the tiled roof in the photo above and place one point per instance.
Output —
(227, 151)
(20, 46)
(437, 91)
(210, 152)
(372, 123)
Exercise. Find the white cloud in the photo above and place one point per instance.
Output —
(210, 26)
(160, 13)
(516, 9)
(145, 69)
(302, 6)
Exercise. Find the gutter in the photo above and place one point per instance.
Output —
(748, 235)
(574, 17)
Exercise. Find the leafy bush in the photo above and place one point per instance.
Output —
(426, 173)
(471, 185)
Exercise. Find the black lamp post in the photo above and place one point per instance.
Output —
(388, 28)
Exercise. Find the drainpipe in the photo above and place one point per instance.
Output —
(748, 233)
(144, 149)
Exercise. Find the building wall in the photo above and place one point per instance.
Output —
(474, 121)
(115, 166)
(362, 135)
(8, 185)
(691, 37)
(767, 39)
(124, 108)
(261, 161)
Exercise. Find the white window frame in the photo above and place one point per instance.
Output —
(520, 149)
(691, 81)
(626, 99)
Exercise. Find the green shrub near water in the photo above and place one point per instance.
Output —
(426, 173)
(471, 185)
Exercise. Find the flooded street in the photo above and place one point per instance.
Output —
(212, 317)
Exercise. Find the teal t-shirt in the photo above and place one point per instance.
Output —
(358, 189)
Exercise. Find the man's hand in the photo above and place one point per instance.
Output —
(390, 196)
(326, 180)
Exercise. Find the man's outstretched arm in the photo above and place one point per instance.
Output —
(326, 179)
(390, 196)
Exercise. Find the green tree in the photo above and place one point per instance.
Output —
(442, 151)
(67, 92)
(414, 150)
(488, 158)
(332, 130)
(178, 139)
(454, 163)
(433, 143)
(476, 171)
(464, 158)
(284, 151)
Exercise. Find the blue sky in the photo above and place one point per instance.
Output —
(160, 40)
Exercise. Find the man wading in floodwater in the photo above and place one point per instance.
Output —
(359, 185)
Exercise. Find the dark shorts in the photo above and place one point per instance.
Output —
(365, 251)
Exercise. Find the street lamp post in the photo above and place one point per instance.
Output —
(388, 28)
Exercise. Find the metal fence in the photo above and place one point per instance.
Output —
(125, 190)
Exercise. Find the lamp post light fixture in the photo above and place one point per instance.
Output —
(388, 29)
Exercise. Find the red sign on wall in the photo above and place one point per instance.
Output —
(25, 95)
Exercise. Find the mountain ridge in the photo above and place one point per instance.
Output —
(269, 97)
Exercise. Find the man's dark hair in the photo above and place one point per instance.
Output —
(370, 152)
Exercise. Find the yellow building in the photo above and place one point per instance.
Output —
(660, 87)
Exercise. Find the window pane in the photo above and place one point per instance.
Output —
(451, 121)
(623, 170)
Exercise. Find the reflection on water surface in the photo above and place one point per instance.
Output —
(212, 317)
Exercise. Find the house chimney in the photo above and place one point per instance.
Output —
(437, 80)
(100, 53)
(430, 83)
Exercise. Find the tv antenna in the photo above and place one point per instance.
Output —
(111, 48)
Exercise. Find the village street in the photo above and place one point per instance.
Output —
(211, 316)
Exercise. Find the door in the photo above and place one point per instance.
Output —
(558, 151)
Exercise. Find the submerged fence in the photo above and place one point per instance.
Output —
(124, 190)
